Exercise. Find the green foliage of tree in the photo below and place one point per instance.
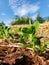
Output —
(39, 18)
(21, 20)
(2, 23)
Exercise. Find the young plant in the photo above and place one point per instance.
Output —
(30, 34)
(5, 32)
(34, 41)
(42, 48)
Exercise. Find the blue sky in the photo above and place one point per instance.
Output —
(30, 8)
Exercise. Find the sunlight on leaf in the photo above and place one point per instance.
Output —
(36, 24)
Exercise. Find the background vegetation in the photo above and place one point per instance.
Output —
(26, 20)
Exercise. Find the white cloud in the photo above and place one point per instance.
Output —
(23, 7)
(3, 14)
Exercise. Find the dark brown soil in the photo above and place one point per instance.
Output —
(20, 56)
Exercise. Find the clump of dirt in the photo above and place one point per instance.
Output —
(15, 56)
(20, 56)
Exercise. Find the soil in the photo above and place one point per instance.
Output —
(21, 56)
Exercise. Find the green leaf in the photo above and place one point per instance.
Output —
(22, 41)
(36, 24)
(31, 29)
(47, 43)
(41, 48)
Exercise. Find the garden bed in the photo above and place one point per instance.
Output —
(27, 48)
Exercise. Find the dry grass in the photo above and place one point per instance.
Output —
(44, 31)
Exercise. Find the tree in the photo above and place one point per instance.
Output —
(2, 23)
(39, 18)
(21, 20)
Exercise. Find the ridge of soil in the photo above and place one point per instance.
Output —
(14, 55)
